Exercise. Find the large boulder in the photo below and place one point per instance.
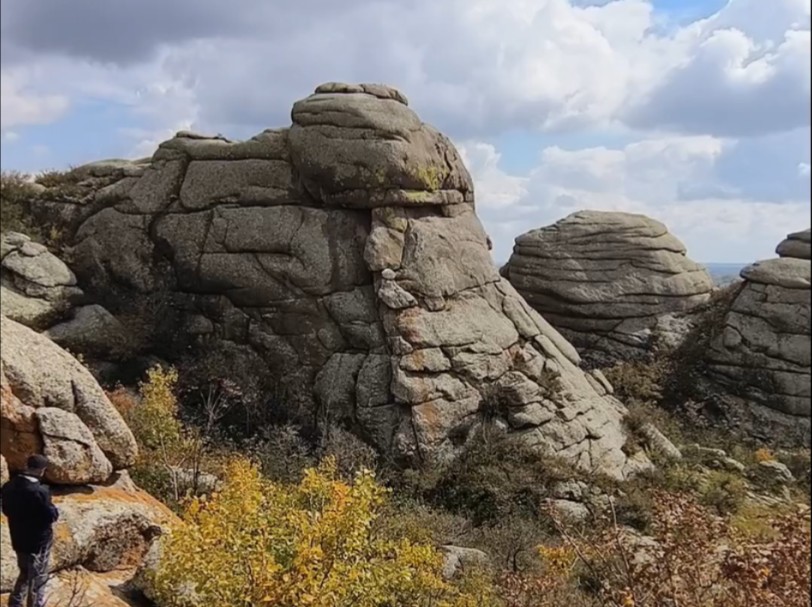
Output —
(344, 254)
(51, 404)
(762, 352)
(606, 280)
(795, 245)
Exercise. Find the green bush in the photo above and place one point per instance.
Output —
(495, 477)
(16, 192)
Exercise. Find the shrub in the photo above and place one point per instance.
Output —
(259, 404)
(723, 491)
(763, 455)
(495, 477)
(174, 459)
(695, 558)
(154, 421)
(638, 382)
(421, 524)
(281, 452)
(350, 453)
(16, 191)
(261, 543)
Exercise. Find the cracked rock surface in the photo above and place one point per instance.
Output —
(763, 350)
(51, 404)
(605, 279)
(345, 253)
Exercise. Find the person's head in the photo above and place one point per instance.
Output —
(36, 465)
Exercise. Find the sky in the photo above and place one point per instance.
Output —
(694, 112)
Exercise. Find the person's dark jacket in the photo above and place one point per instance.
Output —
(30, 513)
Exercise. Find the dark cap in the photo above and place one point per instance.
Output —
(37, 462)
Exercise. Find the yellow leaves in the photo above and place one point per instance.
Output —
(154, 421)
(262, 543)
(764, 455)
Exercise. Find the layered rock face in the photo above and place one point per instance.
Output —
(606, 279)
(763, 351)
(345, 254)
(36, 287)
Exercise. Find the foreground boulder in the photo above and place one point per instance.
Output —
(606, 280)
(51, 404)
(762, 353)
(344, 255)
(104, 530)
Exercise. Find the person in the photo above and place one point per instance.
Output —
(27, 504)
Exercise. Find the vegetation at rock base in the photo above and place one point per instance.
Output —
(261, 543)
(295, 520)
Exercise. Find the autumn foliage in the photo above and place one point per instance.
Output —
(694, 558)
(262, 543)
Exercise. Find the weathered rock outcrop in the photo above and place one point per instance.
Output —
(762, 353)
(51, 404)
(795, 245)
(345, 254)
(36, 287)
(605, 279)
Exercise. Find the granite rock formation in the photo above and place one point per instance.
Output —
(345, 254)
(38, 290)
(607, 280)
(50, 404)
(762, 352)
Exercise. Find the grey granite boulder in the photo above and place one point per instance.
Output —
(605, 279)
(51, 402)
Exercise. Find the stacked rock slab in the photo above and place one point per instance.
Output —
(605, 279)
(796, 245)
(762, 352)
(36, 287)
(344, 253)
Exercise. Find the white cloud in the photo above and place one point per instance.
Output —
(495, 188)
(643, 177)
(474, 67)
(698, 100)
(20, 106)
